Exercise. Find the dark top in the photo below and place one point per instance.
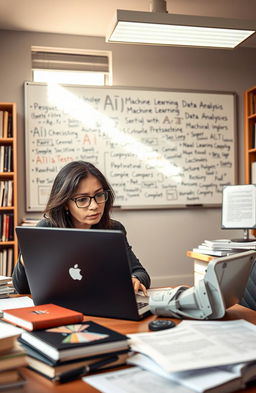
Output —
(20, 281)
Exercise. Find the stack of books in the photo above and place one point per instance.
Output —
(66, 347)
(6, 193)
(67, 352)
(5, 158)
(223, 247)
(29, 222)
(6, 286)
(12, 356)
(6, 227)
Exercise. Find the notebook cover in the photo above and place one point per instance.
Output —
(36, 354)
(88, 337)
(42, 317)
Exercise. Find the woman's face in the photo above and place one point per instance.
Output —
(85, 217)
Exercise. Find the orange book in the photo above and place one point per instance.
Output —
(42, 317)
(5, 123)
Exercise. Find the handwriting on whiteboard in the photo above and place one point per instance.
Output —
(156, 148)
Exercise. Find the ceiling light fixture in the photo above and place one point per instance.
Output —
(160, 28)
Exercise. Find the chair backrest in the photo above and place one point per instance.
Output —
(249, 297)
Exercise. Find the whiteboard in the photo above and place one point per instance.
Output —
(157, 148)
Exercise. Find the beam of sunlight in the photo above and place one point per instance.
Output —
(89, 116)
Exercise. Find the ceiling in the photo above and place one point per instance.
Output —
(92, 17)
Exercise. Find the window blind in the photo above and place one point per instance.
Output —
(69, 61)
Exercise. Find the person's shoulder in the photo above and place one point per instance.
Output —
(44, 223)
(117, 225)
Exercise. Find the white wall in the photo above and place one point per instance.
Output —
(160, 238)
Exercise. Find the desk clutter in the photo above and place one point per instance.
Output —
(6, 287)
(67, 352)
(223, 247)
(58, 344)
(194, 356)
(41, 317)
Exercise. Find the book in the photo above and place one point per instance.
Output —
(207, 251)
(5, 124)
(4, 289)
(11, 227)
(9, 261)
(13, 359)
(11, 380)
(41, 317)
(8, 376)
(2, 149)
(75, 341)
(1, 123)
(9, 199)
(5, 279)
(27, 221)
(9, 127)
(8, 336)
(55, 369)
(253, 171)
(227, 245)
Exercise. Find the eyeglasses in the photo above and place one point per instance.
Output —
(85, 201)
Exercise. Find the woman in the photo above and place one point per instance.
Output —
(82, 198)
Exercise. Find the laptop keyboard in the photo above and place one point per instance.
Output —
(141, 305)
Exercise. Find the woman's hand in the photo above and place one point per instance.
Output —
(138, 286)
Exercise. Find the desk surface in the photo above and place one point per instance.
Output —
(39, 384)
(200, 257)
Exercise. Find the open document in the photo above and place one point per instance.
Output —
(239, 206)
(134, 380)
(221, 379)
(196, 356)
(198, 344)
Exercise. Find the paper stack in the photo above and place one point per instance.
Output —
(207, 354)
(222, 247)
(199, 356)
(6, 286)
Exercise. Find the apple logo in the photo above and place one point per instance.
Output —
(75, 272)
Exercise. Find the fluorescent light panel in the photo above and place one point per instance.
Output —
(181, 30)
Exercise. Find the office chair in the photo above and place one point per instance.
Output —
(249, 297)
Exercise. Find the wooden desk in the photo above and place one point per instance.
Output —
(39, 384)
(200, 264)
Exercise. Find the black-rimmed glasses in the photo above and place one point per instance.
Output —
(85, 201)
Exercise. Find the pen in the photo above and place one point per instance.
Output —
(81, 371)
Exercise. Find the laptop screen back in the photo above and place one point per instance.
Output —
(86, 270)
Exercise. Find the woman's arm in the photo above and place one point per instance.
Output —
(19, 277)
(140, 277)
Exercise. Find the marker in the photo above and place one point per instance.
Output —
(194, 205)
(82, 371)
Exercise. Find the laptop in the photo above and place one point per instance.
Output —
(85, 270)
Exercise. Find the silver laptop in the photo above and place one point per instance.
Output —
(85, 270)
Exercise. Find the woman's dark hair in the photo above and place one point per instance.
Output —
(65, 186)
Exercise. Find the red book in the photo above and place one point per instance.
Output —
(42, 317)
(7, 223)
